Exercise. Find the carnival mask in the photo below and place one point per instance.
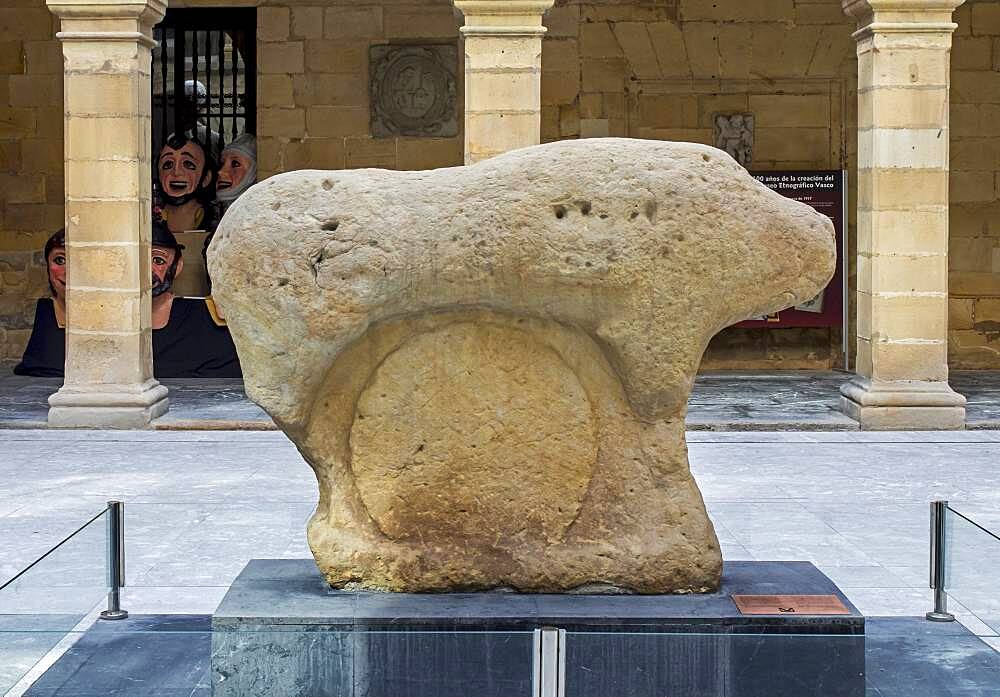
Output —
(182, 171)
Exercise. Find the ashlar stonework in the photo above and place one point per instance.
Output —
(488, 366)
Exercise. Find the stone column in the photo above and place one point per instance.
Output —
(503, 75)
(904, 49)
(109, 366)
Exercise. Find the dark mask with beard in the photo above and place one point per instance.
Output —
(162, 285)
(162, 237)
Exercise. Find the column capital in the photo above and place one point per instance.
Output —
(503, 17)
(894, 16)
(108, 20)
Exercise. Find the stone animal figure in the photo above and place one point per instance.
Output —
(488, 367)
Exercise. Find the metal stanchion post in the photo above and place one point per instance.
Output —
(939, 543)
(549, 665)
(116, 561)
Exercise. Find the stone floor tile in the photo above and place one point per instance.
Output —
(741, 401)
(173, 600)
(892, 602)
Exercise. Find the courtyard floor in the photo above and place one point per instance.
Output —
(201, 504)
(720, 401)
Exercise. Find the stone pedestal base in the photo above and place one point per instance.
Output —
(280, 630)
(903, 405)
(107, 406)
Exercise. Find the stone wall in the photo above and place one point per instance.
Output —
(640, 68)
(313, 85)
(974, 280)
(663, 69)
(31, 163)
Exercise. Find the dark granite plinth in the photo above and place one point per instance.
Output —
(281, 631)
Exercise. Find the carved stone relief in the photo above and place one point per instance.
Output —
(414, 91)
(734, 135)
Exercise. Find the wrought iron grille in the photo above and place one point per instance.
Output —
(204, 75)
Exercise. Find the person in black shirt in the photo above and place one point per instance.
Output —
(190, 340)
(46, 350)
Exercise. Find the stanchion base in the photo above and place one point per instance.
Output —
(940, 617)
(114, 614)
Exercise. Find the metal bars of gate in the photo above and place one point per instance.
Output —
(216, 50)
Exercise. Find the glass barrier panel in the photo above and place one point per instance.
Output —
(655, 664)
(972, 566)
(42, 603)
(157, 655)
(166, 655)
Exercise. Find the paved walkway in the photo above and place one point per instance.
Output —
(785, 401)
(202, 504)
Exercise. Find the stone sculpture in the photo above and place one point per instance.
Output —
(734, 134)
(488, 366)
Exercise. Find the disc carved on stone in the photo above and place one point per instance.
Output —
(488, 367)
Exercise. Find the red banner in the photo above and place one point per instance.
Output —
(826, 191)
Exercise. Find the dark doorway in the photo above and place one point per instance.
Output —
(205, 75)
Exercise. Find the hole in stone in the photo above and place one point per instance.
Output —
(706, 157)
(331, 225)
(585, 207)
(327, 184)
(282, 282)
(560, 212)
(650, 211)
(276, 205)
(633, 215)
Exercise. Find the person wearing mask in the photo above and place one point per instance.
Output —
(190, 340)
(45, 353)
(185, 188)
(238, 169)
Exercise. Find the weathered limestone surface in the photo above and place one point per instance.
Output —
(488, 367)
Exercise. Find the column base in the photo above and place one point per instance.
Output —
(902, 405)
(107, 406)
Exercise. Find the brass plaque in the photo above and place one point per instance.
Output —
(790, 605)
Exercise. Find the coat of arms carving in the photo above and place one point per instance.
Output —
(414, 90)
